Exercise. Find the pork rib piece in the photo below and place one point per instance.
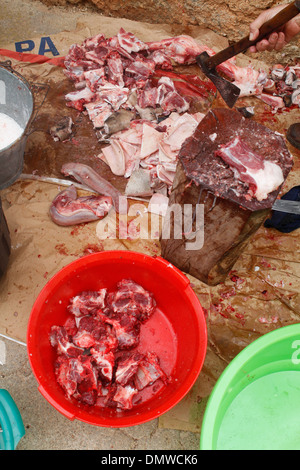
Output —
(127, 367)
(130, 42)
(126, 329)
(148, 371)
(118, 396)
(262, 175)
(105, 361)
(68, 209)
(90, 331)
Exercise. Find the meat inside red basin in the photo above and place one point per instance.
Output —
(181, 349)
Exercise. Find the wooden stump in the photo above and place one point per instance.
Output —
(225, 232)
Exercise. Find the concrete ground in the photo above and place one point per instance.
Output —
(47, 429)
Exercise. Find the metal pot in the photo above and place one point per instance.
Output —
(16, 101)
(5, 242)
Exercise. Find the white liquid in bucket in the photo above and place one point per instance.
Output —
(10, 130)
(264, 416)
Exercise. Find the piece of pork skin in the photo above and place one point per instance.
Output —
(68, 209)
(89, 177)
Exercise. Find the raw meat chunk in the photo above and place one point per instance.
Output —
(132, 298)
(127, 367)
(90, 331)
(262, 176)
(126, 328)
(60, 339)
(78, 377)
(105, 361)
(87, 302)
(148, 371)
(124, 396)
(130, 43)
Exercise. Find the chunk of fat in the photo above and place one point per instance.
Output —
(166, 152)
(164, 175)
(198, 116)
(267, 179)
(131, 136)
(169, 121)
(150, 141)
(181, 129)
(84, 94)
(114, 157)
(139, 183)
(132, 160)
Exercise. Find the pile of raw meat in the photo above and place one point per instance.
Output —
(283, 86)
(115, 73)
(98, 362)
(126, 87)
(138, 106)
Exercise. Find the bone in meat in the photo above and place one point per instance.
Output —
(68, 209)
(262, 175)
(272, 100)
(89, 177)
(129, 42)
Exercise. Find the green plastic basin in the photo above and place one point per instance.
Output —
(255, 404)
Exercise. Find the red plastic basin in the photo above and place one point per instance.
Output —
(176, 332)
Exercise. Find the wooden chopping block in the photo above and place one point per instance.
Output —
(230, 218)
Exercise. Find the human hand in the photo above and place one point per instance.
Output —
(277, 40)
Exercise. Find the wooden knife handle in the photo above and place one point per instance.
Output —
(267, 28)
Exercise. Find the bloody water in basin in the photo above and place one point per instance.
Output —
(158, 336)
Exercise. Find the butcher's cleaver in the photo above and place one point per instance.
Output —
(290, 207)
(208, 64)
